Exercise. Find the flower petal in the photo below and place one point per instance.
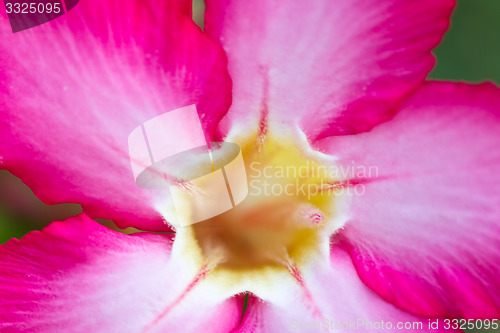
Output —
(426, 234)
(334, 67)
(73, 89)
(79, 276)
(346, 305)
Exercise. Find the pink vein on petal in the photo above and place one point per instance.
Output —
(264, 113)
(201, 275)
(297, 275)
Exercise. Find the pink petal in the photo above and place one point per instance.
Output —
(426, 234)
(73, 89)
(78, 276)
(343, 300)
(333, 67)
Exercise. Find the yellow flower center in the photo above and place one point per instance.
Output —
(284, 222)
(283, 215)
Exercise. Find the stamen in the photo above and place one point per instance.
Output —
(308, 215)
(316, 218)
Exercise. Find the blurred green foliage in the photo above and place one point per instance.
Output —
(11, 226)
(470, 50)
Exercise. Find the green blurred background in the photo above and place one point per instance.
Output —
(469, 52)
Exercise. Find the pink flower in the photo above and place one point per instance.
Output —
(335, 84)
